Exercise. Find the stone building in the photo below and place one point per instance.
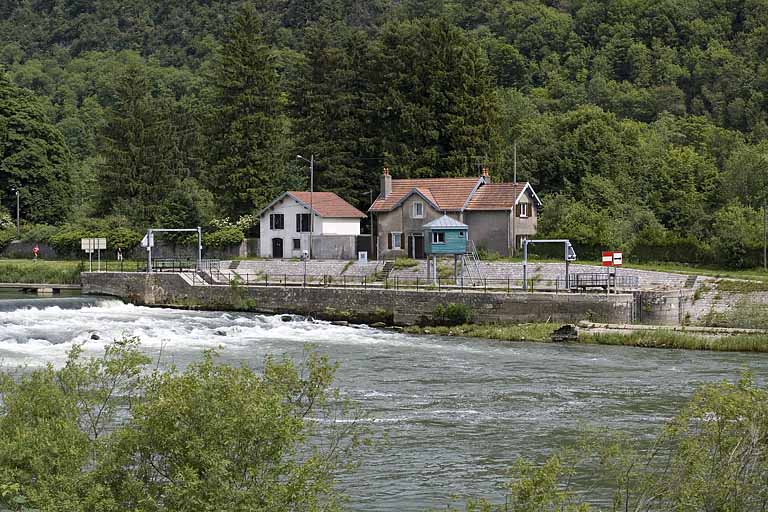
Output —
(499, 215)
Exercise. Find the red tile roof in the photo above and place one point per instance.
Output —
(446, 193)
(496, 196)
(328, 204)
(452, 193)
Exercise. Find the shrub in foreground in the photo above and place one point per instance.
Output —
(106, 434)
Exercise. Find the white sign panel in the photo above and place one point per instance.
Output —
(362, 256)
(93, 244)
(148, 240)
(618, 259)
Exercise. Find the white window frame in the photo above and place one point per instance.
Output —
(436, 237)
(523, 210)
(414, 208)
(397, 240)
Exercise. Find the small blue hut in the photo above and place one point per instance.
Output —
(445, 236)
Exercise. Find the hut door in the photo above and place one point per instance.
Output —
(418, 247)
(277, 247)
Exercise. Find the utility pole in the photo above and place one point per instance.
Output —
(514, 201)
(18, 229)
(311, 197)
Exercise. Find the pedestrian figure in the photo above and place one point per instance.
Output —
(119, 254)
(35, 251)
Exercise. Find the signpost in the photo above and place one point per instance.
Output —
(569, 257)
(149, 241)
(93, 244)
(612, 260)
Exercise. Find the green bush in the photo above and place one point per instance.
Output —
(6, 237)
(452, 314)
(38, 232)
(225, 237)
(67, 239)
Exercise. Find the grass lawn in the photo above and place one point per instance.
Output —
(52, 271)
(41, 271)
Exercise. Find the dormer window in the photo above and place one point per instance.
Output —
(522, 210)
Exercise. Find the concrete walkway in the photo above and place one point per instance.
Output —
(649, 280)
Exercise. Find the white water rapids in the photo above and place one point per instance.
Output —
(451, 414)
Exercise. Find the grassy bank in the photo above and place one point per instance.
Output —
(41, 271)
(648, 339)
(679, 340)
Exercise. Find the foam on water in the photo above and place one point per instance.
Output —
(39, 333)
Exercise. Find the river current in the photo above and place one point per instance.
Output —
(450, 415)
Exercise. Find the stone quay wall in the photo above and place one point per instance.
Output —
(357, 304)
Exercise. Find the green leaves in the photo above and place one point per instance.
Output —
(33, 157)
(111, 434)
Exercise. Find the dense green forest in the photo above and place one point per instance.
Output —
(641, 123)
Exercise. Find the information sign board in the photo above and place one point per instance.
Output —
(612, 258)
(93, 244)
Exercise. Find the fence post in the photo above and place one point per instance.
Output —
(507, 285)
(266, 279)
(285, 280)
(417, 283)
(485, 284)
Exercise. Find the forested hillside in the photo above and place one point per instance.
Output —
(641, 123)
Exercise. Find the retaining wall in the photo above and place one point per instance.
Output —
(398, 306)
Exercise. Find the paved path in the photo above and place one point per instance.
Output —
(279, 269)
(550, 271)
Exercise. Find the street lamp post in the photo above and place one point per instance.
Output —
(311, 162)
(18, 230)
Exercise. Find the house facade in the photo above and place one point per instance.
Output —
(499, 216)
(285, 226)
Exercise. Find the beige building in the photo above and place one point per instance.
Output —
(499, 215)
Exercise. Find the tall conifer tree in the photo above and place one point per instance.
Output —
(248, 121)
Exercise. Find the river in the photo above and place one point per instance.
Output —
(451, 414)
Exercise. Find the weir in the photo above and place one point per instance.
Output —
(401, 307)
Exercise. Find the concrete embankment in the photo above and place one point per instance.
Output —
(402, 307)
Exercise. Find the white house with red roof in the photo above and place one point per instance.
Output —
(499, 215)
(285, 226)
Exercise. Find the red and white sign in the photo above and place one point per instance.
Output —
(612, 259)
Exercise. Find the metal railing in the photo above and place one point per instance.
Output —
(498, 285)
(602, 280)
(158, 265)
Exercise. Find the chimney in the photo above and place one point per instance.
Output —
(486, 176)
(386, 183)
